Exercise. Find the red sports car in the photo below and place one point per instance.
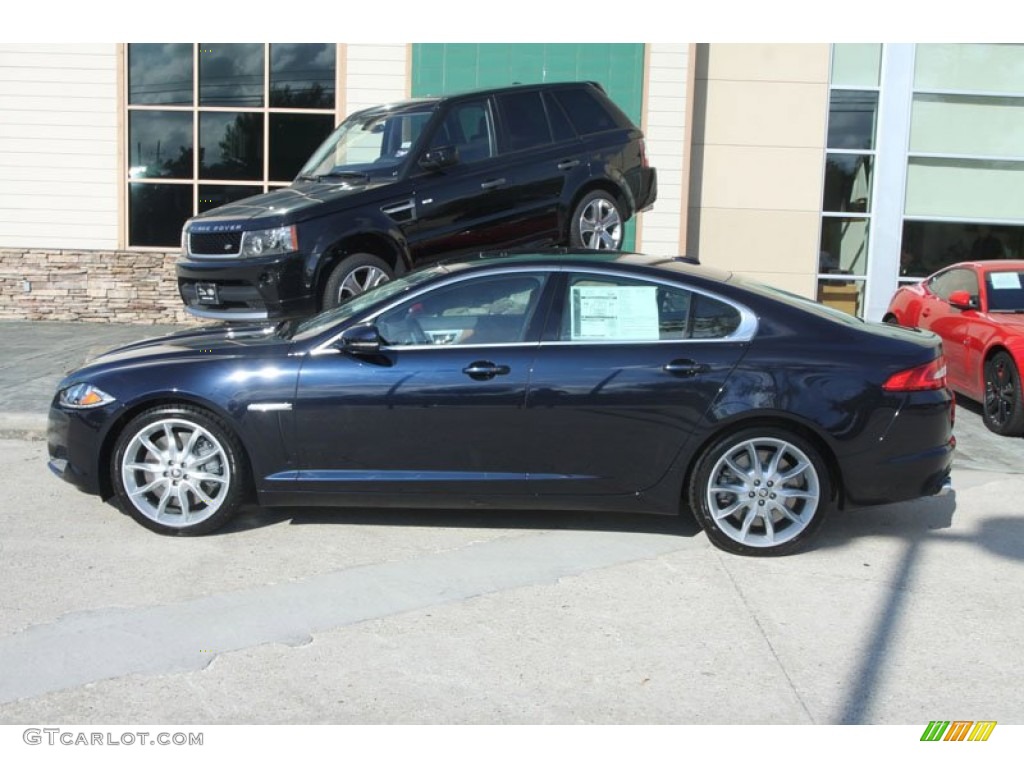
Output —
(977, 308)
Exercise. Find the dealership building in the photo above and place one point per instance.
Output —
(832, 171)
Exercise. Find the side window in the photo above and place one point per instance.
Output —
(524, 121)
(587, 113)
(599, 308)
(469, 128)
(954, 280)
(487, 310)
(561, 129)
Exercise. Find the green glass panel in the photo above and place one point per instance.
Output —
(856, 64)
(967, 125)
(988, 67)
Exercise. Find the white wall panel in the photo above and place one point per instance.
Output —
(58, 146)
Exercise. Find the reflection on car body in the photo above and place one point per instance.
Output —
(578, 381)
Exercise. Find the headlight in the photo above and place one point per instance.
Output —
(269, 242)
(84, 396)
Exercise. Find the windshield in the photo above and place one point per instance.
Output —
(367, 146)
(1005, 291)
(362, 302)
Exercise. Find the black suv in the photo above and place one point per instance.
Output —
(400, 185)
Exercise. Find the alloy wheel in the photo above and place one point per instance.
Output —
(360, 280)
(763, 492)
(600, 225)
(175, 472)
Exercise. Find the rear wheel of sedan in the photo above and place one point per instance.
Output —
(597, 223)
(179, 470)
(353, 275)
(1004, 407)
(760, 491)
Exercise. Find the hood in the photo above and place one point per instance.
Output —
(204, 343)
(302, 200)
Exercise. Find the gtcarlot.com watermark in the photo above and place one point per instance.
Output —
(55, 736)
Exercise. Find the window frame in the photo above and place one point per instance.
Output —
(266, 184)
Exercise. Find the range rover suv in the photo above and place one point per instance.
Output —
(404, 184)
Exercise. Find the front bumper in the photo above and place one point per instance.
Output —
(74, 441)
(271, 288)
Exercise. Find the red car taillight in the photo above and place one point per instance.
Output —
(928, 376)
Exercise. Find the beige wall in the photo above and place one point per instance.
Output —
(664, 124)
(375, 74)
(58, 146)
(759, 115)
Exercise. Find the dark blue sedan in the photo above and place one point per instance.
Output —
(598, 381)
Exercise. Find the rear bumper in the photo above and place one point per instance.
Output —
(912, 459)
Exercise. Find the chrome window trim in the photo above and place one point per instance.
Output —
(744, 332)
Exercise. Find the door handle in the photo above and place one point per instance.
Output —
(565, 165)
(684, 368)
(482, 370)
(493, 183)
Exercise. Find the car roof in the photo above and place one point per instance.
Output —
(991, 265)
(579, 257)
(433, 101)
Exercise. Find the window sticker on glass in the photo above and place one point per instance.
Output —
(619, 313)
(1005, 280)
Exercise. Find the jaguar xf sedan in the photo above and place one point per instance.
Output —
(977, 309)
(571, 381)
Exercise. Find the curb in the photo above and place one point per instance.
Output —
(23, 426)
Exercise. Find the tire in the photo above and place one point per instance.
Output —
(353, 275)
(597, 223)
(739, 501)
(159, 486)
(1003, 410)
(890, 319)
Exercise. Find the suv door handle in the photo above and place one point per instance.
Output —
(482, 370)
(493, 183)
(685, 368)
(565, 165)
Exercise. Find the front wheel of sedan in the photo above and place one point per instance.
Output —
(1004, 406)
(760, 491)
(179, 471)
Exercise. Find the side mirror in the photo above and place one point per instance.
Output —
(438, 158)
(361, 339)
(963, 300)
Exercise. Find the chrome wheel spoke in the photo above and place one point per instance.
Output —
(150, 468)
(794, 471)
(142, 490)
(730, 510)
(199, 461)
(150, 446)
(198, 492)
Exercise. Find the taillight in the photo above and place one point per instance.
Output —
(643, 155)
(928, 376)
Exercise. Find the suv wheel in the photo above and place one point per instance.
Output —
(355, 274)
(597, 223)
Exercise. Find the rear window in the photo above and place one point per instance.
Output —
(588, 113)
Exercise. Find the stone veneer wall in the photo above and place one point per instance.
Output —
(90, 286)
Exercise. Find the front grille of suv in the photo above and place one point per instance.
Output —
(215, 243)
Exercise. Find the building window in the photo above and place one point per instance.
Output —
(846, 205)
(965, 163)
(212, 123)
